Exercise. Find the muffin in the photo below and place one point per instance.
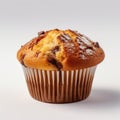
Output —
(59, 65)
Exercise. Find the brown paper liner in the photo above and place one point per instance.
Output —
(59, 86)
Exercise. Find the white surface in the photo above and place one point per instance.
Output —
(21, 20)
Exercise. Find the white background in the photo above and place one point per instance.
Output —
(20, 20)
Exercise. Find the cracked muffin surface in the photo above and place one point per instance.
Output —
(60, 50)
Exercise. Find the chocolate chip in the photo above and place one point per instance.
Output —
(56, 29)
(90, 47)
(35, 42)
(22, 59)
(79, 41)
(41, 33)
(21, 46)
(54, 62)
(55, 49)
(30, 46)
(64, 37)
(96, 44)
(36, 54)
(76, 32)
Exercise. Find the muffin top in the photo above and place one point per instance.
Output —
(60, 50)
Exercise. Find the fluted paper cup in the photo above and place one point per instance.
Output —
(59, 86)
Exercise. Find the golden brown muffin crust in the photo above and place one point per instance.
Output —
(60, 50)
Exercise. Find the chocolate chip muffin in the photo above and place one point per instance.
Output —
(59, 65)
